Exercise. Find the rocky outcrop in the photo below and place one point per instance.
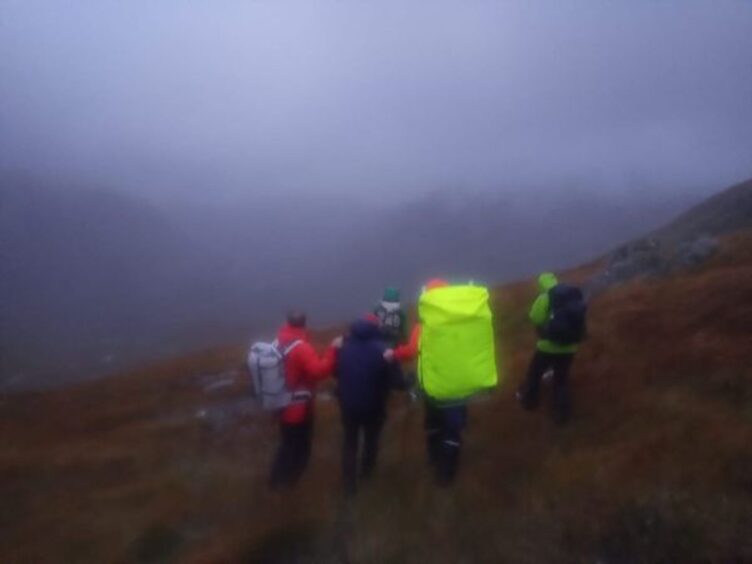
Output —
(650, 257)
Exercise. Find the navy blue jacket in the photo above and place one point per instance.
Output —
(363, 376)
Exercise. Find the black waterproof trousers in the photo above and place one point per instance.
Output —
(444, 425)
(293, 453)
(369, 425)
(529, 393)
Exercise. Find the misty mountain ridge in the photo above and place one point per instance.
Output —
(96, 281)
(725, 212)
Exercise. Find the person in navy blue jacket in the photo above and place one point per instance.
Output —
(364, 379)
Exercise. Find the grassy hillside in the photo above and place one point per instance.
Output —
(656, 466)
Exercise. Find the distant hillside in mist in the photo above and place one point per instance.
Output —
(726, 212)
(95, 281)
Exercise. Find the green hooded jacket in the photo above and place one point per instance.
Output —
(540, 312)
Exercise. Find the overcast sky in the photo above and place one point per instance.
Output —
(377, 97)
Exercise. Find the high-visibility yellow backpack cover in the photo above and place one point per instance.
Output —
(457, 352)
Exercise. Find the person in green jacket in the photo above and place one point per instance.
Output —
(550, 355)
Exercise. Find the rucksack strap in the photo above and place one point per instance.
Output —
(283, 352)
(291, 347)
(298, 396)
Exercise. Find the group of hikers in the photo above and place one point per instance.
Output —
(454, 346)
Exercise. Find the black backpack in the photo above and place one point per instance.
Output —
(390, 322)
(567, 321)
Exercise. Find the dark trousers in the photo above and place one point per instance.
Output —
(292, 454)
(444, 425)
(530, 391)
(355, 424)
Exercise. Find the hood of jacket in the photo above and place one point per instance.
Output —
(546, 281)
(364, 330)
(435, 283)
(391, 306)
(290, 334)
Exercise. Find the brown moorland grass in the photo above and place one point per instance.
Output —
(656, 466)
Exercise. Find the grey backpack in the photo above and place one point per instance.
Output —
(266, 362)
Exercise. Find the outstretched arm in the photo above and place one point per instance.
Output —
(315, 368)
(410, 350)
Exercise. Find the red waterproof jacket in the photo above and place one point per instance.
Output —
(409, 351)
(303, 369)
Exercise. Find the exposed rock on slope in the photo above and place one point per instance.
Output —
(686, 242)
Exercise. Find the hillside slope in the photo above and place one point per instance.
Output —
(169, 465)
(726, 212)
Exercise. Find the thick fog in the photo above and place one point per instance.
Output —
(378, 98)
(176, 174)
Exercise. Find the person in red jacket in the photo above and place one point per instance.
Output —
(303, 370)
(409, 351)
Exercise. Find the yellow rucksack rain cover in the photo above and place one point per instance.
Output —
(457, 349)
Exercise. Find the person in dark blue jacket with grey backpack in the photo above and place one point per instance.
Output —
(364, 379)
